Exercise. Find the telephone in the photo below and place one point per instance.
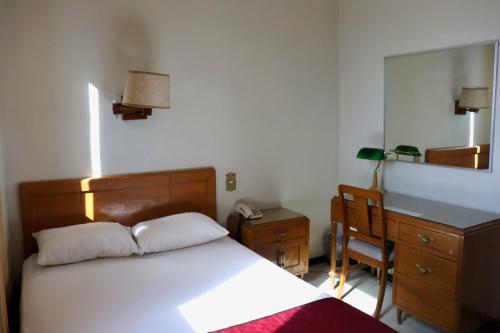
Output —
(248, 211)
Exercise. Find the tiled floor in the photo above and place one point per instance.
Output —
(361, 290)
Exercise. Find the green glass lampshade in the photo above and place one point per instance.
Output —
(407, 150)
(372, 154)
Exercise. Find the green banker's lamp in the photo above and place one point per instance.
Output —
(373, 154)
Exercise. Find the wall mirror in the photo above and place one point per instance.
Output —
(439, 106)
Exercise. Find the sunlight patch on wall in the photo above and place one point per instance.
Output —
(471, 128)
(88, 197)
(95, 140)
(89, 206)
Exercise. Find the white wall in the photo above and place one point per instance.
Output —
(253, 91)
(5, 243)
(373, 29)
(4, 58)
(420, 93)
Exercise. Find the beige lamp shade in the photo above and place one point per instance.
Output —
(147, 90)
(475, 98)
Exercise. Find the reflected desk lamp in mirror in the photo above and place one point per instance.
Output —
(373, 154)
(407, 151)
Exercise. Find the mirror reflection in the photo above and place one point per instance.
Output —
(439, 106)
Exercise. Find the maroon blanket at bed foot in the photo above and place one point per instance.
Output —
(322, 316)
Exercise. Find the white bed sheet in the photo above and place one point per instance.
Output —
(197, 289)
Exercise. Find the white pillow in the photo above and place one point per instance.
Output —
(176, 231)
(83, 242)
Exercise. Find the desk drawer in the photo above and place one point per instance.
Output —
(429, 269)
(426, 302)
(428, 239)
(279, 233)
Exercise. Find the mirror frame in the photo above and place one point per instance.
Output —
(496, 43)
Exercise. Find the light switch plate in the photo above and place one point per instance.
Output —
(230, 181)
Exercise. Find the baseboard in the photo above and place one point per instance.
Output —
(318, 260)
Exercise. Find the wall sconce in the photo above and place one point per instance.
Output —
(144, 91)
(472, 99)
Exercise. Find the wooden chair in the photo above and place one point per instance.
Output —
(358, 240)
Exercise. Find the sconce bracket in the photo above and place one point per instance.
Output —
(130, 112)
(463, 111)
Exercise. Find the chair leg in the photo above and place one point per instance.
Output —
(333, 277)
(381, 293)
(343, 276)
(333, 273)
(399, 315)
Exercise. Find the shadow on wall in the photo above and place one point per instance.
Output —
(126, 46)
(130, 47)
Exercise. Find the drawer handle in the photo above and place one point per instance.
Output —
(425, 239)
(281, 234)
(281, 258)
(423, 269)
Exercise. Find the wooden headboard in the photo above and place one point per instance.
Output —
(475, 157)
(127, 199)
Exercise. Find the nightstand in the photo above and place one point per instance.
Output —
(281, 236)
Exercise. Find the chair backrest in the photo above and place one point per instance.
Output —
(359, 224)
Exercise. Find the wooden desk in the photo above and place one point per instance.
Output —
(447, 269)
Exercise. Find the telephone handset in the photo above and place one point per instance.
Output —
(248, 211)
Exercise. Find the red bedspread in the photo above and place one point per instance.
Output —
(325, 315)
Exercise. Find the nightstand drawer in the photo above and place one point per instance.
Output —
(282, 232)
(424, 238)
(429, 269)
(426, 302)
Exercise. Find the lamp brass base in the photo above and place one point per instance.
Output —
(375, 183)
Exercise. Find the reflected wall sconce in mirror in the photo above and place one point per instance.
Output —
(143, 92)
(472, 99)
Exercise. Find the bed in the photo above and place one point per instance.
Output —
(203, 288)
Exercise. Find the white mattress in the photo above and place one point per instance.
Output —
(197, 289)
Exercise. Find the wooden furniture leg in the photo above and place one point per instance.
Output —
(381, 292)
(343, 275)
(333, 255)
(399, 315)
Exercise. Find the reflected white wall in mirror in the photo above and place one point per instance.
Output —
(420, 94)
